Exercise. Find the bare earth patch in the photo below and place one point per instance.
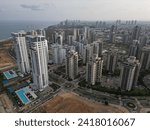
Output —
(6, 104)
(5, 59)
(71, 103)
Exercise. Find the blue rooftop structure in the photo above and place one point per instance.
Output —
(10, 74)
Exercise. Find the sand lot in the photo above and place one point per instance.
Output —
(71, 103)
(6, 60)
(6, 104)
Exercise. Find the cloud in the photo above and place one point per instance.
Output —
(1, 9)
(35, 7)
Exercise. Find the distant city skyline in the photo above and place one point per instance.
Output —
(58, 10)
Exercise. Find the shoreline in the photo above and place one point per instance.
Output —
(7, 39)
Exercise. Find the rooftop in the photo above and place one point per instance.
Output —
(10, 74)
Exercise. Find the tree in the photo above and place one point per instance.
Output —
(106, 103)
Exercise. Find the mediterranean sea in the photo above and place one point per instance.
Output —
(6, 27)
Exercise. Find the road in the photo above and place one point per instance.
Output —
(111, 98)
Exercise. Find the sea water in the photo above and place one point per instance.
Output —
(6, 27)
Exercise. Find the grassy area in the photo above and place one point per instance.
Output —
(142, 75)
(1, 79)
(107, 73)
(55, 78)
(60, 70)
(139, 92)
(55, 87)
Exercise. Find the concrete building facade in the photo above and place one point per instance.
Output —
(21, 52)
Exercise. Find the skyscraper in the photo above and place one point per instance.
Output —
(54, 37)
(111, 60)
(99, 67)
(144, 39)
(94, 70)
(92, 36)
(59, 39)
(76, 33)
(145, 57)
(59, 54)
(134, 49)
(21, 52)
(70, 39)
(136, 33)
(41, 32)
(87, 35)
(39, 61)
(100, 52)
(72, 64)
(112, 34)
(79, 48)
(81, 38)
(87, 53)
(129, 73)
(86, 32)
(95, 48)
(125, 37)
(91, 72)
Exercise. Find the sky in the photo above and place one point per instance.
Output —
(58, 10)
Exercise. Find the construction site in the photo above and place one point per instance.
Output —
(7, 61)
(72, 103)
